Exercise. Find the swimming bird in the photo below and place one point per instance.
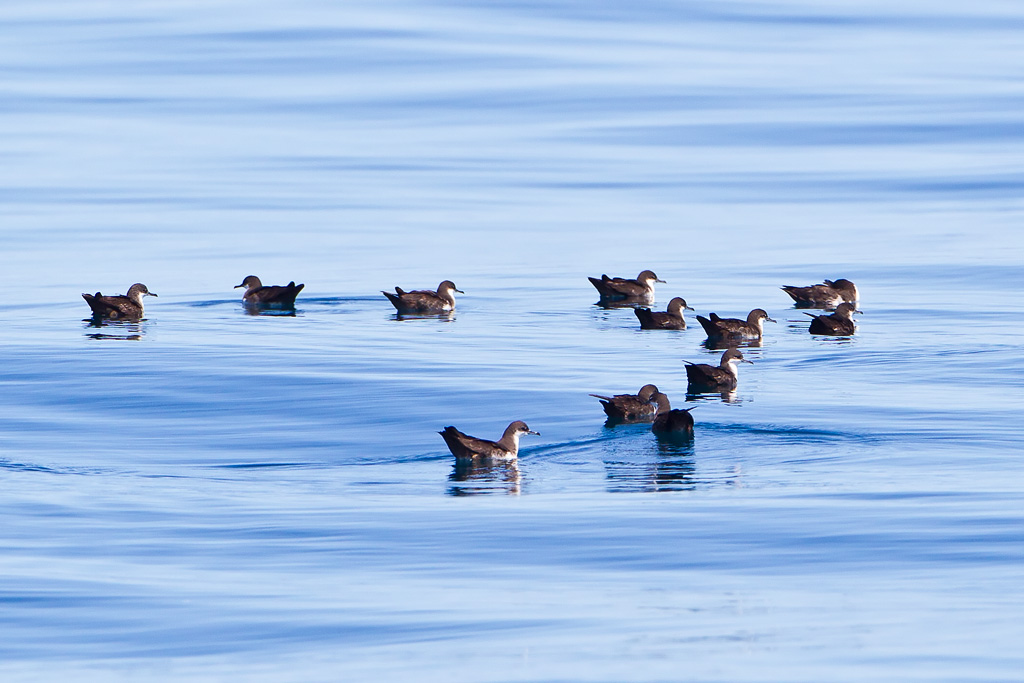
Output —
(677, 422)
(465, 447)
(119, 306)
(640, 290)
(270, 295)
(629, 407)
(724, 376)
(672, 319)
(425, 300)
(828, 294)
(838, 324)
(734, 328)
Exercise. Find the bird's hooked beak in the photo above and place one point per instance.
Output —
(459, 291)
(237, 286)
(151, 293)
(771, 320)
(530, 431)
(658, 279)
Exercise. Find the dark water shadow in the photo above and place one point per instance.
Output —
(488, 477)
(210, 302)
(122, 330)
(788, 434)
(267, 465)
(12, 466)
(25, 467)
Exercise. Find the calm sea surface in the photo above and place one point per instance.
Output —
(211, 495)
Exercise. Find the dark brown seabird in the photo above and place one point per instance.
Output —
(640, 290)
(724, 376)
(270, 295)
(465, 447)
(838, 324)
(828, 294)
(119, 306)
(629, 407)
(672, 319)
(425, 300)
(677, 422)
(734, 328)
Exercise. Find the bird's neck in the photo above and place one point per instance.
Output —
(510, 441)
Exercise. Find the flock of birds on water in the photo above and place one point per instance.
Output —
(647, 405)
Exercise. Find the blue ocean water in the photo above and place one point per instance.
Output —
(212, 495)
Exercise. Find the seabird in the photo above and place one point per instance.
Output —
(734, 328)
(425, 300)
(828, 294)
(640, 290)
(668, 421)
(672, 319)
(119, 306)
(629, 407)
(465, 447)
(838, 324)
(271, 295)
(721, 377)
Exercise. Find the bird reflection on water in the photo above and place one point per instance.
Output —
(447, 317)
(625, 303)
(720, 344)
(724, 396)
(670, 468)
(482, 477)
(278, 311)
(125, 330)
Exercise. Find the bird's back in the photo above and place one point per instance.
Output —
(831, 324)
(115, 306)
(464, 446)
(274, 294)
(678, 421)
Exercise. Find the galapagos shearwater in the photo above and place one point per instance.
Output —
(838, 324)
(723, 376)
(640, 290)
(424, 301)
(828, 294)
(630, 407)
(733, 328)
(668, 421)
(269, 295)
(119, 306)
(465, 447)
(672, 319)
